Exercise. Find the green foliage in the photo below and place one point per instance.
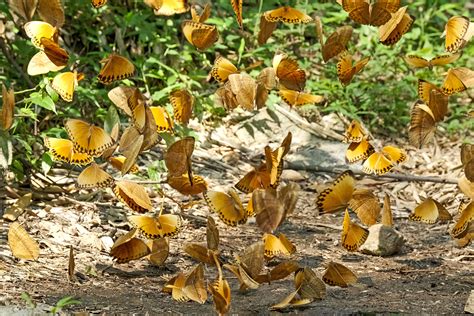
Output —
(381, 95)
(64, 302)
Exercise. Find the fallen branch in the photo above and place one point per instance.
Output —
(316, 130)
(399, 177)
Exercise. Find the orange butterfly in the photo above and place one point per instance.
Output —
(353, 235)
(183, 103)
(337, 274)
(391, 32)
(458, 31)
(168, 7)
(63, 150)
(127, 248)
(287, 15)
(359, 151)
(297, 98)
(167, 225)
(354, 133)
(222, 69)
(346, 71)
(133, 195)
(420, 62)
(384, 161)
(200, 35)
(8, 108)
(98, 3)
(430, 211)
(65, 84)
(237, 7)
(458, 80)
(94, 177)
(336, 43)
(288, 72)
(115, 67)
(188, 186)
(266, 29)
(376, 14)
(228, 206)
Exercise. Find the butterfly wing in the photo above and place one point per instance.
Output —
(337, 274)
(422, 126)
(222, 69)
(445, 59)
(41, 64)
(227, 206)
(338, 195)
(378, 164)
(36, 30)
(424, 90)
(345, 71)
(381, 11)
(237, 7)
(183, 103)
(465, 219)
(200, 35)
(94, 177)
(133, 195)
(289, 74)
(387, 217)
(185, 186)
(51, 11)
(244, 88)
(359, 10)
(88, 138)
(64, 84)
(391, 32)
(353, 235)
(456, 29)
(265, 30)
(359, 151)
(366, 205)
(354, 133)
(426, 212)
(258, 178)
(395, 154)
(98, 3)
(416, 61)
(115, 67)
(336, 43)
(63, 150)
(287, 14)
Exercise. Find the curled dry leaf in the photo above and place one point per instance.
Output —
(22, 245)
(15, 210)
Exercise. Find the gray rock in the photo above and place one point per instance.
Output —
(469, 307)
(382, 241)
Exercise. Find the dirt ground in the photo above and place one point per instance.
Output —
(429, 275)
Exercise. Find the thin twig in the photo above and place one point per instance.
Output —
(399, 177)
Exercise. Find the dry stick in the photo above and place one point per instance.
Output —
(400, 177)
(314, 129)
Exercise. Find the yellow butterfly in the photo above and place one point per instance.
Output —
(297, 98)
(353, 235)
(167, 225)
(375, 14)
(65, 84)
(430, 211)
(127, 248)
(222, 69)
(88, 138)
(391, 32)
(420, 62)
(133, 195)
(337, 274)
(228, 206)
(458, 31)
(384, 161)
(63, 150)
(354, 133)
(115, 67)
(338, 195)
(168, 7)
(36, 30)
(346, 71)
(458, 80)
(200, 35)
(287, 14)
(94, 177)
(275, 246)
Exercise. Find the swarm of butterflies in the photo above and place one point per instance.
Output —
(89, 145)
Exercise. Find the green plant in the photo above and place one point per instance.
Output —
(63, 303)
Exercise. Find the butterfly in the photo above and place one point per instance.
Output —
(178, 157)
(430, 211)
(24, 9)
(40, 64)
(266, 29)
(205, 14)
(467, 159)
(359, 151)
(391, 32)
(353, 235)
(464, 222)
(200, 35)
(297, 98)
(458, 80)
(133, 195)
(275, 246)
(65, 83)
(458, 32)
(267, 78)
(55, 54)
(237, 7)
(8, 108)
(168, 7)
(118, 162)
(366, 205)
(51, 11)
(336, 43)
(424, 90)
(346, 71)
(162, 119)
(115, 67)
(266, 174)
(94, 177)
(228, 206)
(98, 3)
(88, 138)
(222, 69)
(387, 217)
(338, 195)
(376, 14)
(248, 266)
(131, 145)
(183, 103)
(220, 291)
(36, 30)
(63, 150)
(159, 251)
(288, 72)
(120, 95)
(194, 285)
(337, 274)
(420, 62)
(127, 248)
(246, 90)
(287, 14)
(21, 244)
(354, 133)
(136, 104)
(188, 186)
(225, 98)
(167, 225)
(272, 206)
(384, 161)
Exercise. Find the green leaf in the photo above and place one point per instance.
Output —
(46, 163)
(43, 100)
(112, 118)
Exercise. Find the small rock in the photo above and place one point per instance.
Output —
(469, 307)
(382, 241)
